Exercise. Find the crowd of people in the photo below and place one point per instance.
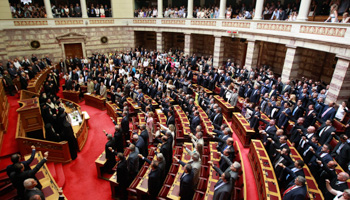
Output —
(169, 75)
(272, 11)
(29, 10)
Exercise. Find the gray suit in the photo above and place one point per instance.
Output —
(196, 169)
(223, 192)
(234, 175)
(133, 162)
(103, 91)
(233, 100)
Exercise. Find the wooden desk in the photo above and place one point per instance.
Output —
(71, 95)
(154, 103)
(100, 162)
(30, 115)
(142, 187)
(175, 188)
(161, 117)
(49, 185)
(239, 105)
(264, 173)
(311, 184)
(81, 131)
(133, 106)
(36, 83)
(95, 101)
(242, 128)
(226, 107)
(209, 92)
(112, 110)
(213, 175)
(184, 122)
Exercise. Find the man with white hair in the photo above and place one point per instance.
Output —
(31, 190)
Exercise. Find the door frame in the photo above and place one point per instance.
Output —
(72, 38)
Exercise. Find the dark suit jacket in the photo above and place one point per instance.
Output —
(10, 169)
(144, 135)
(224, 192)
(125, 126)
(118, 139)
(329, 115)
(30, 193)
(283, 119)
(217, 122)
(186, 187)
(194, 123)
(254, 97)
(170, 120)
(310, 119)
(18, 178)
(141, 145)
(344, 157)
(154, 182)
(326, 136)
(122, 172)
(296, 194)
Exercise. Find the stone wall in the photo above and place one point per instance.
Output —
(273, 54)
(203, 45)
(174, 41)
(147, 40)
(16, 43)
(234, 50)
(316, 65)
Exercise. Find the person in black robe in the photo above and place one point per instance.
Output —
(68, 135)
(51, 134)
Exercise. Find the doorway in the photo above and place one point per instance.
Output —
(72, 50)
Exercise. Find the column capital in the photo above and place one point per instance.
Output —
(251, 40)
(291, 46)
(217, 36)
(342, 57)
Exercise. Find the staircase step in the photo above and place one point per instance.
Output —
(61, 178)
(52, 169)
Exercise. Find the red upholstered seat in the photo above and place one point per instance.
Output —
(163, 192)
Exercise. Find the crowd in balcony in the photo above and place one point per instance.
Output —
(60, 11)
(272, 11)
(27, 11)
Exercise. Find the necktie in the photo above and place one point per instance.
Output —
(295, 110)
(217, 187)
(325, 112)
(323, 130)
(289, 189)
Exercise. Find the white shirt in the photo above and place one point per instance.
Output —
(340, 112)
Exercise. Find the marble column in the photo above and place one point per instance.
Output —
(291, 63)
(5, 10)
(160, 42)
(188, 45)
(190, 9)
(259, 7)
(218, 56)
(83, 9)
(160, 8)
(339, 89)
(222, 9)
(47, 4)
(252, 54)
(304, 10)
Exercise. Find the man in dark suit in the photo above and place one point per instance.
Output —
(141, 145)
(310, 116)
(325, 132)
(154, 179)
(15, 158)
(109, 155)
(323, 154)
(288, 175)
(186, 184)
(298, 111)
(19, 175)
(339, 184)
(281, 157)
(132, 163)
(118, 138)
(189, 74)
(96, 87)
(255, 95)
(341, 152)
(222, 189)
(328, 112)
(195, 122)
(217, 118)
(283, 119)
(286, 87)
(297, 190)
(171, 119)
(166, 150)
(125, 125)
(254, 119)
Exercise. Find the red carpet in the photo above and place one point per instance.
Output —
(252, 190)
(81, 175)
(9, 144)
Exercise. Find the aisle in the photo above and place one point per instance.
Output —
(81, 175)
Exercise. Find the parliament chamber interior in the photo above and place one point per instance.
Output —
(174, 99)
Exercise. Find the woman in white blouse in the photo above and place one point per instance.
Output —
(339, 195)
(102, 11)
(81, 80)
(341, 112)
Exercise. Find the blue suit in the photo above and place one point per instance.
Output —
(329, 115)
(254, 97)
(296, 194)
(283, 119)
(195, 122)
